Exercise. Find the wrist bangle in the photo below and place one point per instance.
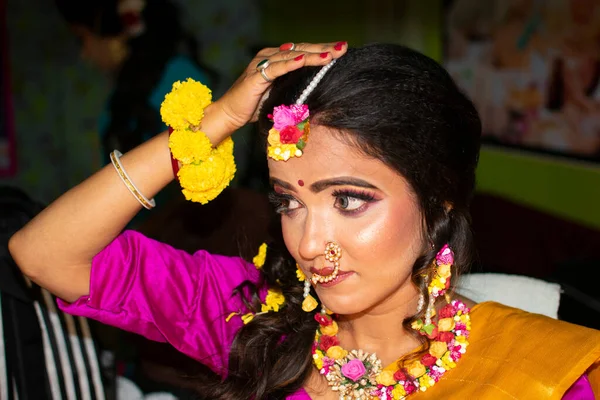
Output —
(116, 162)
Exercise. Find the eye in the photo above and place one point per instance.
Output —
(350, 201)
(283, 203)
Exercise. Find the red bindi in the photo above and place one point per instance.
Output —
(301, 182)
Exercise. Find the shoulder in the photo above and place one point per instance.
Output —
(523, 329)
(534, 347)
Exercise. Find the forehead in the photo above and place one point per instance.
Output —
(329, 154)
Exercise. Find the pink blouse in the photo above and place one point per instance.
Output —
(167, 295)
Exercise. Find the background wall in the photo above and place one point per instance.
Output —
(57, 98)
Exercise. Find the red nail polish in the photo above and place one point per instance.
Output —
(339, 45)
(300, 57)
(286, 46)
(324, 55)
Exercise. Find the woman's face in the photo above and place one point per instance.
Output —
(336, 193)
(104, 53)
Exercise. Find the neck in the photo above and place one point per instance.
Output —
(380, 330)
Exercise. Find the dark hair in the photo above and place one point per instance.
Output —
(404, 109)
(131, 115)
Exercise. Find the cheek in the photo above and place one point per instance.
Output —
(291, 232)
(390, 238)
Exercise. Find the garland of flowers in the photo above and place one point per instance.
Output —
(359, 375)
(205, 171)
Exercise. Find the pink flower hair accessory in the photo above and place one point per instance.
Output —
(291, 126)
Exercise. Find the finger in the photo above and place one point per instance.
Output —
(275, 69)
(336, 48)
(267, 52)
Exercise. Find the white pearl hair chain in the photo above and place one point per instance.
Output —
(315, 81)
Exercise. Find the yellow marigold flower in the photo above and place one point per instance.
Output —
(201, 177)
(447, 362)
(246, 318)
(319, 363)
(461, 339)
(425, 382)
(438, 349)
(398, 392)
(259, 259)
(188, 146)
(336, 352)
(274, 138)
(386, 378)
(226, 147)
(225, 150)
(282, 152)
(309, 304)
(299, 274)
(446, 324)
(185, 105)
(417, 325)
(330, 330)
(444, 270)
(416, 369)
(273, 300)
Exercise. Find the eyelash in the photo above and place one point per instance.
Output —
(280, 201)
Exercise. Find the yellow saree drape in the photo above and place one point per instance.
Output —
(514, 354)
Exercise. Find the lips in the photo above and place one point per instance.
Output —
(323, 271)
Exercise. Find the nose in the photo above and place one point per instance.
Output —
(314, 237)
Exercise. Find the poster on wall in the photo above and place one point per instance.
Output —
(7, 134)
(532, 68)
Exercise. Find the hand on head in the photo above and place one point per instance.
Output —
(241, 102)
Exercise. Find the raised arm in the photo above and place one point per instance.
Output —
(56, 248)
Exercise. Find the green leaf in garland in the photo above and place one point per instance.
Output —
(301, 125)
(428, 328)
(301, 144)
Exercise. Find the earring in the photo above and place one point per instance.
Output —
(421, 302)
(309, 303)
(333, 253)
(441, 279)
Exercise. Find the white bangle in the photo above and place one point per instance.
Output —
(116, 162)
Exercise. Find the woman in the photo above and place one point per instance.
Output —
(372, 159)
(129, 41)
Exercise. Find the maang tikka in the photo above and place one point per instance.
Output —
(291, 126)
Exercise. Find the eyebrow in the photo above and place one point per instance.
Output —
(321, 185)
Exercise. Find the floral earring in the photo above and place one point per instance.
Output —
(309, 303)
(436, 288)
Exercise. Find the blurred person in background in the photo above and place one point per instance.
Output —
(144, 48)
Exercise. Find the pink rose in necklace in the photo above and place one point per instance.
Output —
(354, 369)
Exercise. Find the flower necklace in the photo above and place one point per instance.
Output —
(359, 375)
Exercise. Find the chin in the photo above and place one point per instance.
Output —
(345, 304)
